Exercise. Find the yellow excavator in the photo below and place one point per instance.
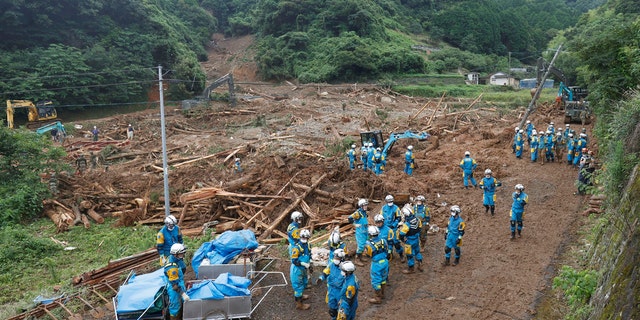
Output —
(38, 113)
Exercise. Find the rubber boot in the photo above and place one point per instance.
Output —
(409, 270)
(382, 291)
(486, 209)
(173, 317)
(376, 299)
(519, 235)
(493, 210)
(446, 262)
(358, 261)
(456, 262)
(513, 235)
(300, 305)
(403, 259)
(420, 266)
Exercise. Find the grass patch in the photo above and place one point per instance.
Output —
(31, 264)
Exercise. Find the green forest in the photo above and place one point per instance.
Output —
(89, 52)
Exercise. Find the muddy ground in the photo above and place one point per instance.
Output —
(496, 279)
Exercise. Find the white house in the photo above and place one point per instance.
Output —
(499, 79)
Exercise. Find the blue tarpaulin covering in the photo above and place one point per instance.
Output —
(226, 285)
(224, 248)
(140, 291)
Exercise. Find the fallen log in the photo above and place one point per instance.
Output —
(95, 216)
(270, 205)
(285, 212)
(85, 221)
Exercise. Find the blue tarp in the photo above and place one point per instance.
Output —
(224, 248)
(140, 291)
(226, 285)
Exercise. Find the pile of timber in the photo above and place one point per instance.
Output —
(64, 217)
(251, 211)
(114, 270)
(595, 205)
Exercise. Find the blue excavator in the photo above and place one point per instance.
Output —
(54, 125)
(376, 138)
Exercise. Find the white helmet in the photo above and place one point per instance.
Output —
(378, 218)
(362, 203)
(348, 266)
(551, 123)
(517, 129)
(373, 231)
(519, 187)
(370, 145)
(353, 146)
(520, 131)
(559, 134)
(467, 153)
(305, 233)
(567, 125)
(335, 236)
(528, 121)
(378, 149)
(534, 133)
(548, 132)
(421, 198)
(388, 198)
(170, 221)
(407, 210)
(237, 159)
(455, 210)
(296, 216)
(177, 248)
(410, 147)
(339, 253)
(488, 172)
(583, 135)
(570, 135)
(559, 129)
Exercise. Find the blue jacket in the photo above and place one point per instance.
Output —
(165, 239)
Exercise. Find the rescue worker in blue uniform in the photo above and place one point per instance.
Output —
(577, 151)
(349, 292)
(566, 132)
(379, 250)
(549, 146)
(166, 237)
(488, 186)
(300, 268)
(515, 138)
(519, 143)
(467, 165)
(529, 128)
(293, 230)
(363, 156)
(392, 218)
(453, 236)
(335, 242)
(520, 199)
(384, 230)
(559, 145)
(360, 222)
(370, 151)
(535, 142)
(409, 161)
(409, 234)
(378, 161)
(237, 165)
(571, 145)
(552, 128)
(351, 155)
(332, 275)
(174, 271)
(423, 213)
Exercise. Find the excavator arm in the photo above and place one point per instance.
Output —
(393, 137)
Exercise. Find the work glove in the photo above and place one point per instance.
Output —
(305, 264)
(185, 296)
(459, 242)
(163, 260)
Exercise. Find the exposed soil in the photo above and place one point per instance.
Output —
(496, 279)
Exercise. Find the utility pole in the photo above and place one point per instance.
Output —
(165, 170)
(532, 104)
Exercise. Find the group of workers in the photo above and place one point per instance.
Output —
(374, 159)
(553, 143)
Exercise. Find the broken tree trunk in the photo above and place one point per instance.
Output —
(95, 216)
(285, 212)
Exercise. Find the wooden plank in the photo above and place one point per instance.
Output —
(285, 212)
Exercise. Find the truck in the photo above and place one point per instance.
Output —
(37, 114)
(573, 100)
